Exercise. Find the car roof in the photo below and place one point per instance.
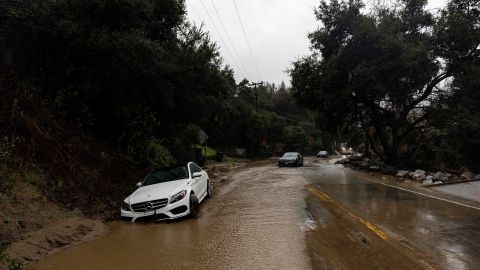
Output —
(170, 166)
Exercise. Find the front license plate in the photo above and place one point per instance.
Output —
(149, 213)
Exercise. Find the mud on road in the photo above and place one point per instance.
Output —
(256, 220)
(315, 217)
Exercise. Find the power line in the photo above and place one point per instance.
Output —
(195, 13)
(221, 39)
(245, 35)
(256, 93)
(228, 36)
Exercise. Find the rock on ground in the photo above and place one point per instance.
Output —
(439, 176)
(388, 170)
(428, 180)
(418, 175)
(365, 163)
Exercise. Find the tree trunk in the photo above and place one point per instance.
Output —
(367, 148)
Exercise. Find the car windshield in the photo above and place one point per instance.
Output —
(322, 152)
(290, 154)
(166, 175)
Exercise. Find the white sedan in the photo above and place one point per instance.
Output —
(168, 193)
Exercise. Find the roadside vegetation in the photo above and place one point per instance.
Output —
(400, 80)
(93, 94)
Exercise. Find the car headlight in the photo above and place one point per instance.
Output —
(177, 197)
(125, 206)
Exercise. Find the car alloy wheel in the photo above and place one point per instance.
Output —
(209, 190)
(194, 206)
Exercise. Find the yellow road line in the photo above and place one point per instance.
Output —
(379, 232)
(324, 197)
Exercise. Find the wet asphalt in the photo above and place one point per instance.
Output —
(419, 232)
(320, 216)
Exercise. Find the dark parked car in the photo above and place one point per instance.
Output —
(291, 159)
(322, 154)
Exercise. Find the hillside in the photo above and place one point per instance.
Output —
(49, 168)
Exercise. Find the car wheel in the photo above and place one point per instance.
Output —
(209, 190)
(194, 206)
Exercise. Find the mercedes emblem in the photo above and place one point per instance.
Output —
(149, 206)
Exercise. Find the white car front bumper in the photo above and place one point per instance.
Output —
(170, 211)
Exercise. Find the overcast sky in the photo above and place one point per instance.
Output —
(276, 30)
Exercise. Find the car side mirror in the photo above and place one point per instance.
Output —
(196, 175)
(139, 184)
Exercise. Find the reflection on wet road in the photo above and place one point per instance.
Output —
(319, 216)
(436, 233)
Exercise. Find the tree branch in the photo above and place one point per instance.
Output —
(372, 144)
(428, 91)
(377, 124)
(413, 126)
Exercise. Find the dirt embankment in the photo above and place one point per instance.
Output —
(33, 227)
(63, 233)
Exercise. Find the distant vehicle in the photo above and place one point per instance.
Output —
(291, 159)
(345, 149)
(322, 154)
(168, 193)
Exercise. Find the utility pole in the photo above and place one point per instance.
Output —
(256, 93)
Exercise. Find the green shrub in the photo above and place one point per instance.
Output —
(57, 186)
(32, 176)
(158, 155)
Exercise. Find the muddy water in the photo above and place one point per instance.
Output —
(257, 221)
(317, 217)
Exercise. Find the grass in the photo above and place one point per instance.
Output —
(228, 159)
(210, 151)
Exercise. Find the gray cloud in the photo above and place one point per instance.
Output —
(277, 31)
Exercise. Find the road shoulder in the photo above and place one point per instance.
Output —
(409, 186)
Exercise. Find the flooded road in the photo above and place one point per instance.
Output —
(256, 221)
(316, 217)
